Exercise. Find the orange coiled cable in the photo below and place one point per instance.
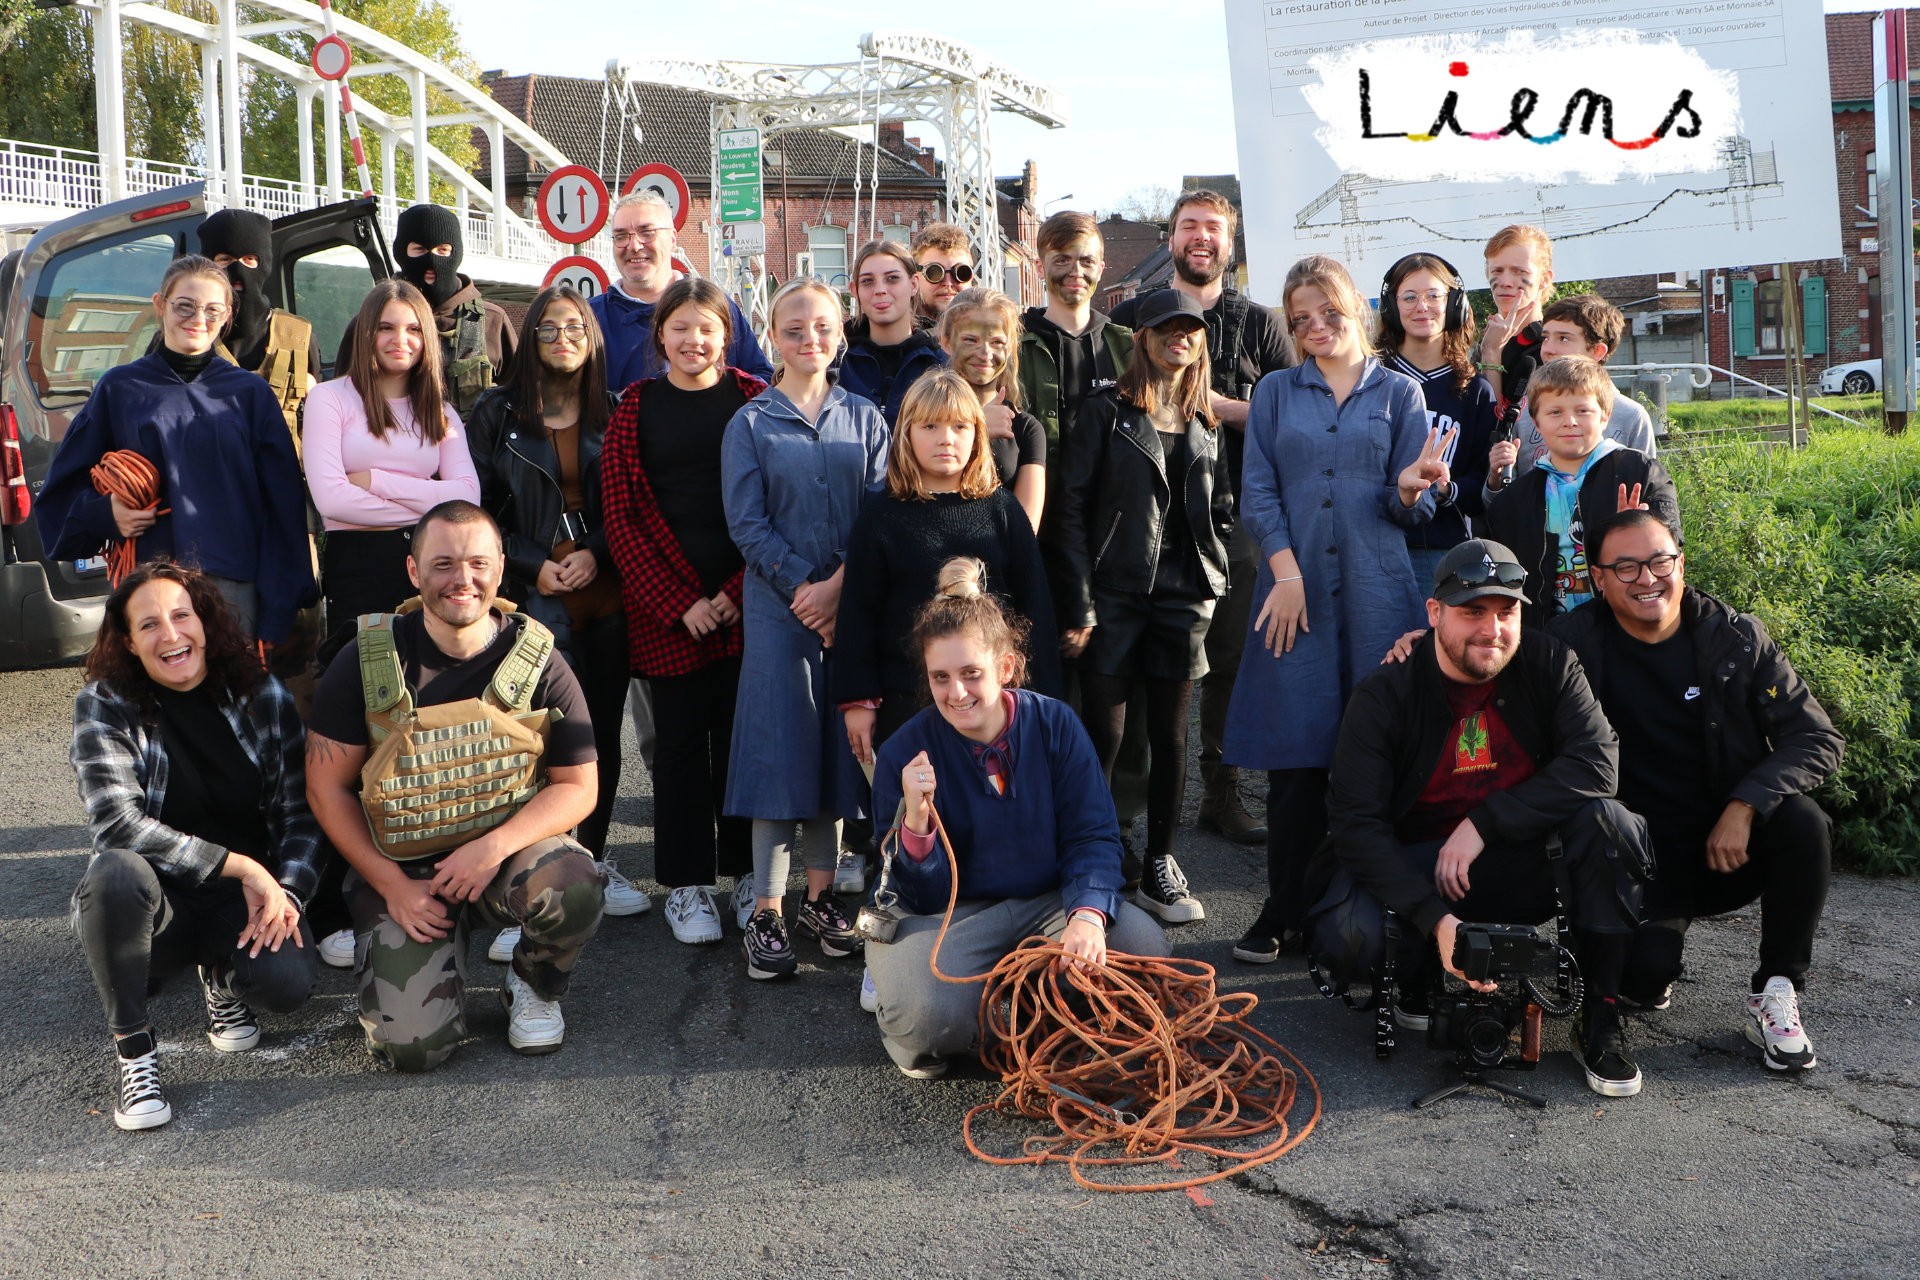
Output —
(130, 477)
(1140, 1052)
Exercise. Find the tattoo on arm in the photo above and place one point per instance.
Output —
(322, 749)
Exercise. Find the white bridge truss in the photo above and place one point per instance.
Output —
(228, 42)
(901, 76)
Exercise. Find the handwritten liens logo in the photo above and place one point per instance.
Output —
(1588, 106)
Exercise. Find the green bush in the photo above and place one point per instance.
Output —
(1823, 545)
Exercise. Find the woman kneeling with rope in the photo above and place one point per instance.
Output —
(1029, 816)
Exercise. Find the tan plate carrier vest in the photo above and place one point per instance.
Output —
(285, 367)
(442, 775)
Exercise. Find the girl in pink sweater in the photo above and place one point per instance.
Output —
(381, 450)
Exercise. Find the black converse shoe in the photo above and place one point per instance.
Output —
(1600, 1042)
(822, 920)
(231, 1026)
(1261, 943)
(1163, 891)
(142, 1105)
(769, 952)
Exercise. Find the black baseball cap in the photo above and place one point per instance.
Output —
(1478, 567)
(1163, 305)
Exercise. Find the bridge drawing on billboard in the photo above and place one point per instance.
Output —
(1361, 214)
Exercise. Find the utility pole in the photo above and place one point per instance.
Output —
(1893, 151)
(1799, 412)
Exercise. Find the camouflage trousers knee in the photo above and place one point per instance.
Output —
(413, 995)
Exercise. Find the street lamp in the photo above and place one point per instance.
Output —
(1057, 200)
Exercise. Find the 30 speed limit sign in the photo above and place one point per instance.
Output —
(583, 275)
(573, 204)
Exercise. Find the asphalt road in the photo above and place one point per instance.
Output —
(698, 1124)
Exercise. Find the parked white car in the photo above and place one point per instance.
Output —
(1860, 378)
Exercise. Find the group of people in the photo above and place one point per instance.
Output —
(948, 548)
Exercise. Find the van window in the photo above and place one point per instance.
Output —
(328, 288)
(93, 311)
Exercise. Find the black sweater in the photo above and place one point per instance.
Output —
(893, 566)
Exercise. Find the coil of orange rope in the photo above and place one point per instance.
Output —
(131, 478)
(1140, 1053)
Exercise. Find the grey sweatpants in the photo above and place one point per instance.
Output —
(924, 1020)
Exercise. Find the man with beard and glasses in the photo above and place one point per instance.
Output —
(482, 760)
(643, 245)
(1247, 342)
(278, 345)
(477, 340)
(1720, 743)
(1453, 770)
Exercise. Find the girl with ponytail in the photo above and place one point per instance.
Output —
(1022, 799)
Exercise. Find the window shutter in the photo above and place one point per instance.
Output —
(1742, 317)
(1813, 314)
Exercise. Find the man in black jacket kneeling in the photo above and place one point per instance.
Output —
(1454, 771)
(1720, 741)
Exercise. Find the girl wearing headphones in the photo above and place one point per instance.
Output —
(1426, 332)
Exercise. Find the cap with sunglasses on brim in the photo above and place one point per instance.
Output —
(1168, 304)
(1478, 567)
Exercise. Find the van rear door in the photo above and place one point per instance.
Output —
(325, 260)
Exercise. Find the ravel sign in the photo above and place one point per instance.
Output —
(740, 196)
(1640, 135)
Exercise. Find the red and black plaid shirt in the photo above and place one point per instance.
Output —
(657, 584)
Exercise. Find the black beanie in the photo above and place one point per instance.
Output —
(239, 232)
(428, 225)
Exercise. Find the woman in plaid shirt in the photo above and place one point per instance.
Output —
(190, 764)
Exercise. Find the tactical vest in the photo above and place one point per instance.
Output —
(285, 365)
(442, 775)
(467, 370)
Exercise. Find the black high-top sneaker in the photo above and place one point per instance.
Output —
(231, 1025)
(1163, 891)
(142, 1105)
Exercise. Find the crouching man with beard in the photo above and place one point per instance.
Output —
(1453, 771)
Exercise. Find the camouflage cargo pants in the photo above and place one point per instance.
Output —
(413, 995)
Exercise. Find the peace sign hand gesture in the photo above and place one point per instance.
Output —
(1430, 468)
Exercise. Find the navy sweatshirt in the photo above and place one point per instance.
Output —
(1475, 413)
(227, 469)
(1055, 828)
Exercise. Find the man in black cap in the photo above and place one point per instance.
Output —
(275, 344)
(476, 339)
(1452, 771)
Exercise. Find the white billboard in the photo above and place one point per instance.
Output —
(1545, 91)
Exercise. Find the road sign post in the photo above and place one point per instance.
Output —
(741, 199)
(1891, 146)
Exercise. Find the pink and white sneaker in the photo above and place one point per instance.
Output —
(1774, 1025)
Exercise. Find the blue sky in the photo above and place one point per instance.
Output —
(1147, 81)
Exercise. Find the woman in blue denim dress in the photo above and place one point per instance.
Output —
(798, 461)
(1339, 464)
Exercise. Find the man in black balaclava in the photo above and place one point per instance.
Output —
(476, 338)
(275, 344)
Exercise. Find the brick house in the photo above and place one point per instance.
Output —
(809, 174)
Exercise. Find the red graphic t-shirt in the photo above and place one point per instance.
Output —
(1480, 758)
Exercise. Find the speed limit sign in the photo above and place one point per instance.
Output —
(665, 180)
(583, 275)
(573, 204)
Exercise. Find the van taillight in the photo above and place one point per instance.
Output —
(16, 499)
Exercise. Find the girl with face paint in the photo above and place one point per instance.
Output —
(980, 332)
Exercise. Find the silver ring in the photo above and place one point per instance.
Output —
(923, 777)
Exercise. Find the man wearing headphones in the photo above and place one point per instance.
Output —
(1426, 332)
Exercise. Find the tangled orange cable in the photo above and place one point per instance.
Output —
(1140, 1052)
(128, 476)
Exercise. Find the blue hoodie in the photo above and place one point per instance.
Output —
(227, 470)
(626, 324)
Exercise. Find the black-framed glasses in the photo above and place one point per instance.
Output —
(935, 273)
(1504, 572)
(1628, 570)
(551, 333)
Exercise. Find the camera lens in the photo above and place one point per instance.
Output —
(1487, 1040)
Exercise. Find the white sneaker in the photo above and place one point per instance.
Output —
(869, 998)
(744, 894)
(622, 898)
(533, 1025)
(1773, 1023)
(850, 873)
(336, 949)
(691, 915)
(504, 942)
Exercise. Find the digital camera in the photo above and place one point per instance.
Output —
(1480, 1026)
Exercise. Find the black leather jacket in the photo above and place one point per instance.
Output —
(1113, 500)
(1767, 736)
(520, 487)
